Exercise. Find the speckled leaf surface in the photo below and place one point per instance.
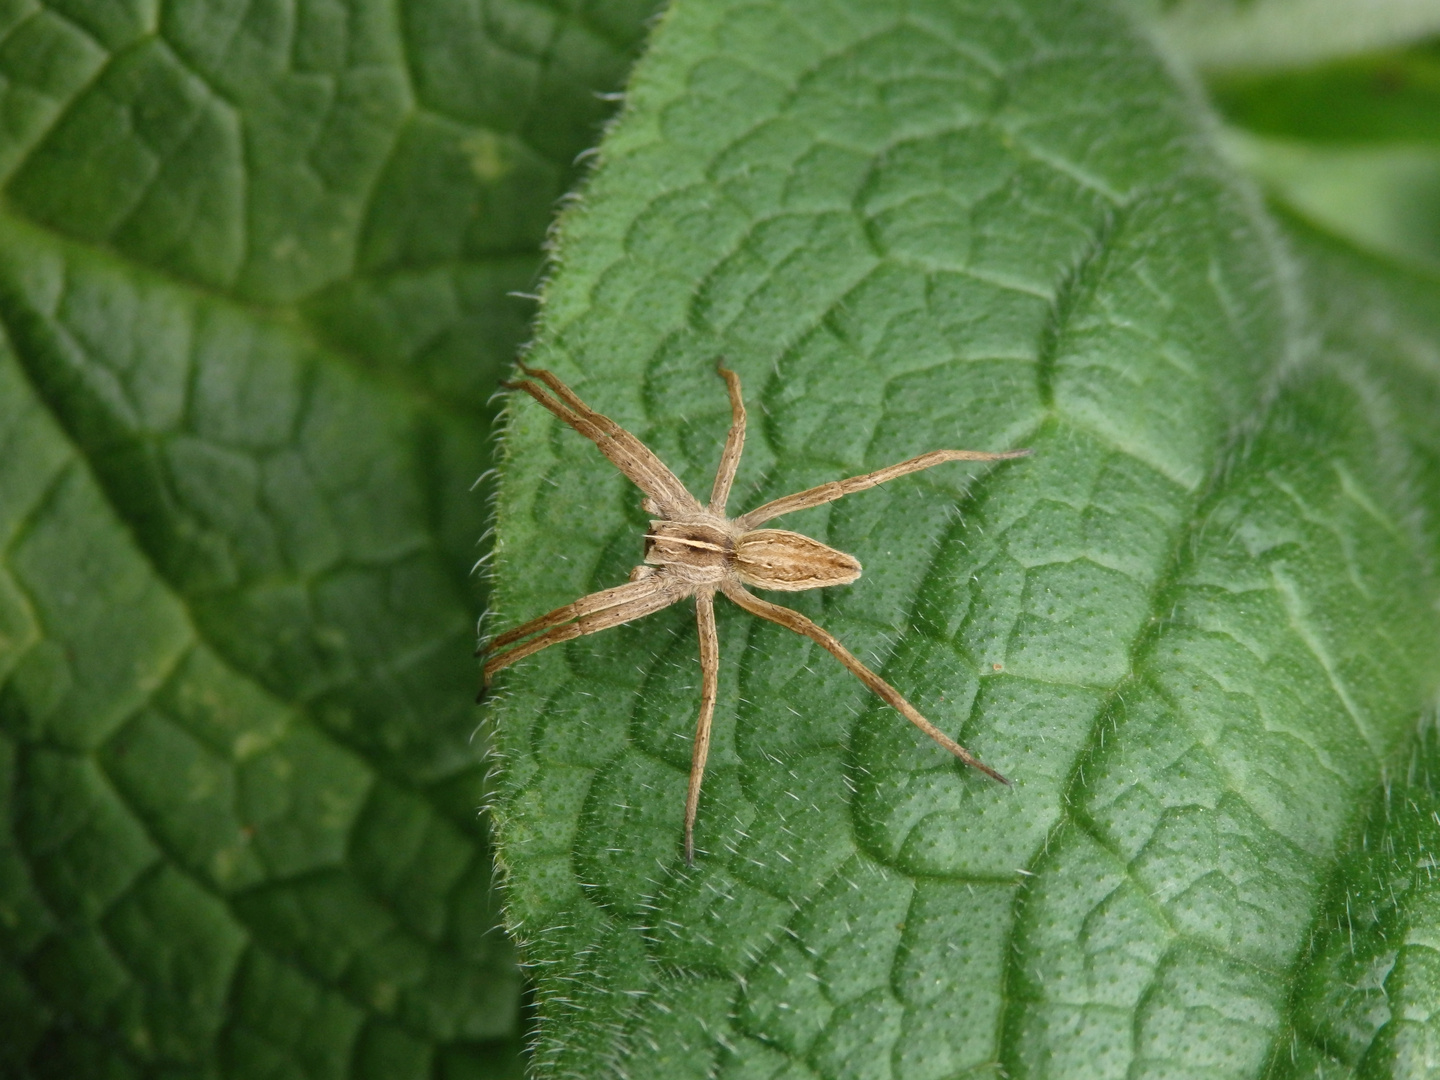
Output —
(1197, 627)
(1366, 996)
(254, 260)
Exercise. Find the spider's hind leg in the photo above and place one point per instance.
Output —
(588, 615)
(709, 690)
(793, 620)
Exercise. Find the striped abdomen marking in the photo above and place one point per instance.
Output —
(791, 562)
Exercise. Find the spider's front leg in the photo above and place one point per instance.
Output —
(627, 453)
(734, 443)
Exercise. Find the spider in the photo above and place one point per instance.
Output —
(692, 549)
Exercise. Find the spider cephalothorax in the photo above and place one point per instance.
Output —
(695, 550)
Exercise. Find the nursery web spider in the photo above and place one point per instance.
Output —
(695, 550)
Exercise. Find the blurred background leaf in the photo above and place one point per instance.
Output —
(1332, 105)
(1277, 34)
(258, 266)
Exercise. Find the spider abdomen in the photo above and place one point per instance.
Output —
(791, 562)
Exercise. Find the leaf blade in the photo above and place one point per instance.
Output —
(1131, 339)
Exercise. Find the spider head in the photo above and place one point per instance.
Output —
(695, 545)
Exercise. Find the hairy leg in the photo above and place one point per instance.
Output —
(586, 605)
(627, 453)
(709, 689)
(644, 597)
(816, 496)
(793, 620)
(734, 444)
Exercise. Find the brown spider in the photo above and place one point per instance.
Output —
(695, 550)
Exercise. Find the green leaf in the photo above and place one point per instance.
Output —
(1383, 198)
(1260, 34)
(254, 266)
(1353, 145)
(1197, 627)
(1364, 995)
(1380, 99)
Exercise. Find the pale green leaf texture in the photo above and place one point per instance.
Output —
(1352, 145)
(254, 259)
(1197, 627)
(1260, 34)
(1366, 999)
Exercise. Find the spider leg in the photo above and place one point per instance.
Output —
(709, 688)
(734, 444)
(622, 604)
(816, 496)
(627, 453)
(596, 601)
(793, 620)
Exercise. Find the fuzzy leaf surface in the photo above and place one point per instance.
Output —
(1363, 1002)
(1197, 627)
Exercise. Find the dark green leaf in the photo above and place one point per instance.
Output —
(1387, 98)
(254, 266)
